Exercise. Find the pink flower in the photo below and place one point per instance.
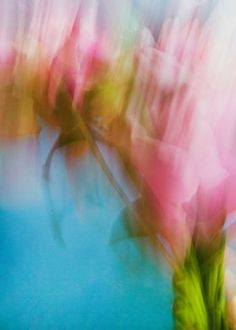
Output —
(181, 157)
(83, 57)
(169, 173)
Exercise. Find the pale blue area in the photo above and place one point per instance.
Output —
(87, 283)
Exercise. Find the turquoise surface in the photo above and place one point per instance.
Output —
(74, 277)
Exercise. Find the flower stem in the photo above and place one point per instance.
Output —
(199, 291)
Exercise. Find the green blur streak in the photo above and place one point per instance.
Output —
(199, 291)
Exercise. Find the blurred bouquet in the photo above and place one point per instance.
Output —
(165, 104)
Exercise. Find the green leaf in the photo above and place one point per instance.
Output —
(126, 226)
(199, 292)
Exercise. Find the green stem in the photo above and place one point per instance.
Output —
(199, 292)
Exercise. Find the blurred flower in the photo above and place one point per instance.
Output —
(179, 155)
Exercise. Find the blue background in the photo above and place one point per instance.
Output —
(74, 278)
